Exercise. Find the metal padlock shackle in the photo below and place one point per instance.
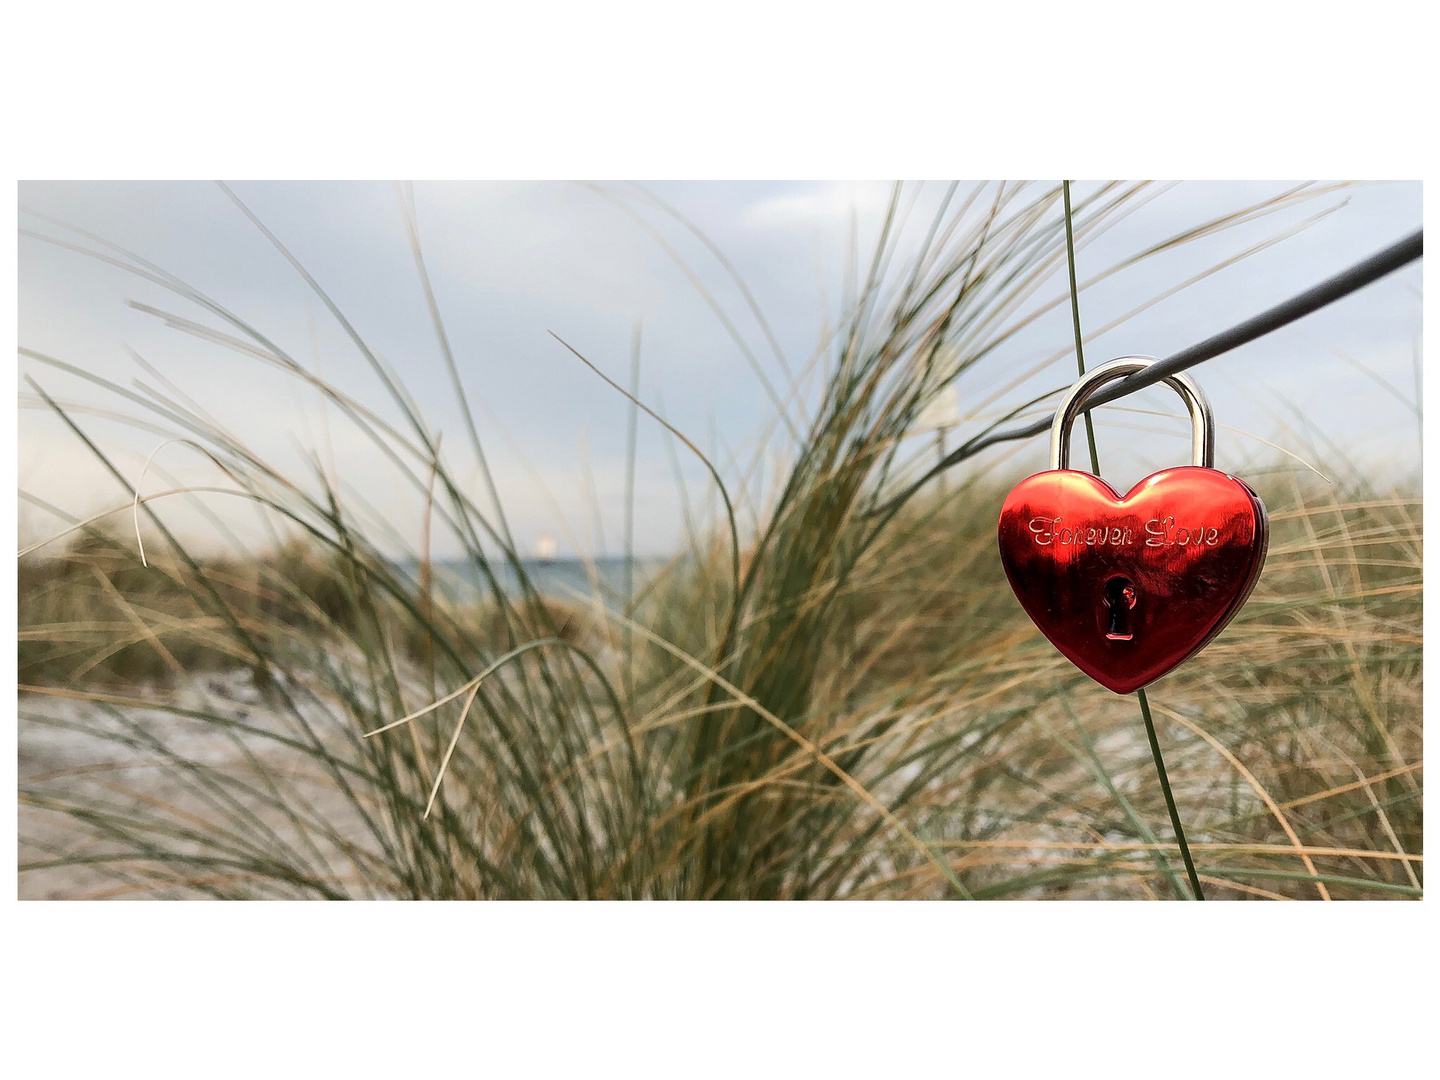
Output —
(1202, 421)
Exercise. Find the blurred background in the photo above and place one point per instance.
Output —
(619, 269)
(536, 540)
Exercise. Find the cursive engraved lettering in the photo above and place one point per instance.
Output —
(1160, 531)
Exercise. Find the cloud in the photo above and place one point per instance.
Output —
(820, 206)
(510, 262)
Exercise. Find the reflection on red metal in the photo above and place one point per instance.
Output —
(1128, 588)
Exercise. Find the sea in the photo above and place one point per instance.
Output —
(460, 580)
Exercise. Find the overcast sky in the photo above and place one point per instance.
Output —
(511, 263)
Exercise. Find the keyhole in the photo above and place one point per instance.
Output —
(1119, 598)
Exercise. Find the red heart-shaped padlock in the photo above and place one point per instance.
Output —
(1129, 587)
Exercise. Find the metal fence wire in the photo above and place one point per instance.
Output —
(1327, 292)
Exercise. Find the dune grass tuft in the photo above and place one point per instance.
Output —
(823, 696)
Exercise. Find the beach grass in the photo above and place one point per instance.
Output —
(825, 694)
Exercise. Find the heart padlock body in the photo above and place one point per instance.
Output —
(1129, 587)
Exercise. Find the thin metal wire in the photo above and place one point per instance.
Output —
(1327, 292)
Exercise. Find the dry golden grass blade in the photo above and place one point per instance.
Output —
(469, 686)
(805, 744)
(135, 503)
(140, 624)
(1344, 788)
(1258, 788)
(1173, 849)
(450, 750)
(1226, 883)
